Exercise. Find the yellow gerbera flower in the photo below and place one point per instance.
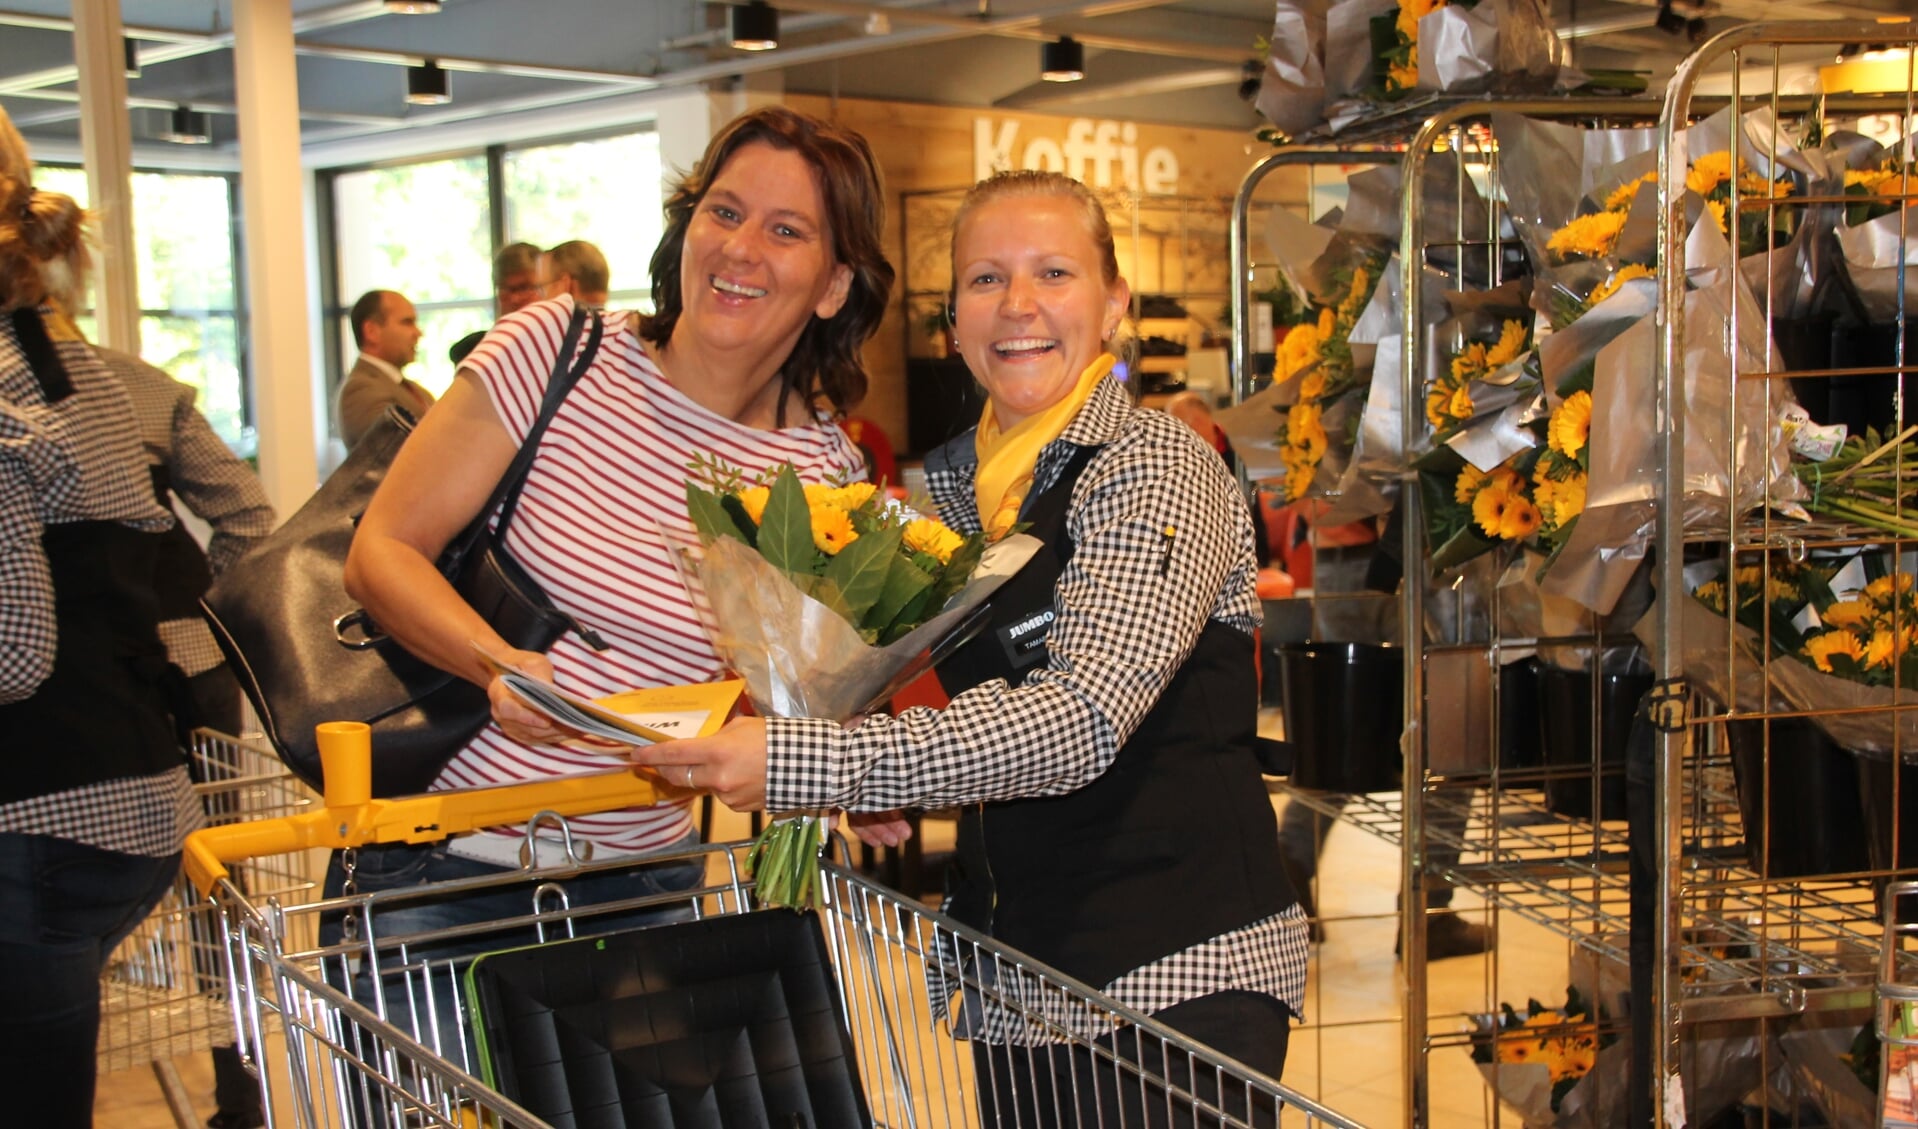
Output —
(926, 535)
(1821, 649)
(854, 495)
(1401, 77)
(1571, 424)
(1469, 361)
(1879, 650)
(1751, 184)
(1469, 481)
(1312, 386)
(1328, 322)
(1355, 297)
(1511, 342)
(1717, 209)
(1626, 194)
(1567, 499)
(1619, 278)
(1461, 404)
(1502, 510)
(819, 494)
(1299, 349)
(754, 498)
(1848, 613)
(1709, 171)
(1435, 403)
(1712, 595)
(1880, 590)
(832, 530)
(1593, 236)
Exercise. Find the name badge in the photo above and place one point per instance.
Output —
(1025, 641)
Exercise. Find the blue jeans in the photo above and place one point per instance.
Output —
(64, 906)
(428, 1011)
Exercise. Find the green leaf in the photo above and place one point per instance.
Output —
(1461, 547)
(958, 570)
(904, 583)
(917, 610)
(785, 529)
(736, 509)
(710, 517)
(861, 568)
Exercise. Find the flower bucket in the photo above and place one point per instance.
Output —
(1817, 817)
(1804, 345)
(1567, 739)
(1886, 796)
(1344, 711)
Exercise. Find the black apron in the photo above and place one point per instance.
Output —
(1173, 845)
(101, 715)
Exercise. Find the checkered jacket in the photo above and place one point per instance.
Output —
(1128, 614)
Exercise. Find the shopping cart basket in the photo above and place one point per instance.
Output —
(163, 992)
(915, 989)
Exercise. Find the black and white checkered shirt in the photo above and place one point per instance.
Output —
(205, 475)
(77, 460)
(1127, 617)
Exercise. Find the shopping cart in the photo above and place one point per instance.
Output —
(913, 987)
(163, 993)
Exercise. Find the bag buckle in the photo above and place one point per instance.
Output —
(369, 635)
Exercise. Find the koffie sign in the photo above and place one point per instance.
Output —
(1103, 154)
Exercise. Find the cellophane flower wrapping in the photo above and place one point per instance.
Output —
(1877, 235)
(1581, 202)
(801, 658)
(1292, 87)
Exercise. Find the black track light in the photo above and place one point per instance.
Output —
(1062, 60)
(755, 26)
(426, 85)
(413, 7)
(132, 50)
(187, 127)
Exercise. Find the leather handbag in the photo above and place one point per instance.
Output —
(305, 655)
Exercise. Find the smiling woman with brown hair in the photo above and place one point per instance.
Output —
(769, 278)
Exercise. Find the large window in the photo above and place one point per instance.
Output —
(604, 191)
(183, 237)
(426, 229)
(422, 230)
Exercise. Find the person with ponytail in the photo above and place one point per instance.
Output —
(95, 800)
(1099, 740)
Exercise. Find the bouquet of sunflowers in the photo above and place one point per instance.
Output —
(1318, 356)
(826, 600)
(1535, 1059)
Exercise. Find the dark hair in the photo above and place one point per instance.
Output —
(584, 263)
(825, 360)
(514, 258)
(41, 233)
(368, 308)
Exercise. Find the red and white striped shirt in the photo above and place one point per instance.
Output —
(610, 477)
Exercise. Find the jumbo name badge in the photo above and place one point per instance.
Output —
(1025, 641)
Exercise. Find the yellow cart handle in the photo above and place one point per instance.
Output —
(350, 817)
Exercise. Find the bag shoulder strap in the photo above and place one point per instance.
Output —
(505, 497)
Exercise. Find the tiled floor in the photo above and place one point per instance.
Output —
(1347, 1057)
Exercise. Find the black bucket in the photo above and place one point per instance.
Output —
(1804, 345)
(1566, 737)
(1876, 786)
(1518, 732)
(1817, 818)
(1859, 402)
(1344, 710)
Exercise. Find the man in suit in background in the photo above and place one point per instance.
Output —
(386, 329)
(515, 286)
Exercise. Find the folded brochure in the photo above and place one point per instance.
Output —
(634, 717)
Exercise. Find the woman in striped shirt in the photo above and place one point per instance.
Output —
(769, 279)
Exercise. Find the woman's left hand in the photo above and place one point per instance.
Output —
(731, 764)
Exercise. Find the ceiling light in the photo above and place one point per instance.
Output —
(1668, 21)
(1062, 60)
(186, 127)
(426, 85)
(413, 7)
(132, 50)
(755, 26)
(878, 23)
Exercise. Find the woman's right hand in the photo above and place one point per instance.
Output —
(515, 718)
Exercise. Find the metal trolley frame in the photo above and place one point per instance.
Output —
(911, 982)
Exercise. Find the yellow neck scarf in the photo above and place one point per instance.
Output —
(1008, 459)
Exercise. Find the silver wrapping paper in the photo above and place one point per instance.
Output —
(800, 658)
(1718, 655)
(1458, 48)
(1292, 89)
(1879, 732)
(1254, 426)
(1294, 244)
(1348, 53)
(1876, 256)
